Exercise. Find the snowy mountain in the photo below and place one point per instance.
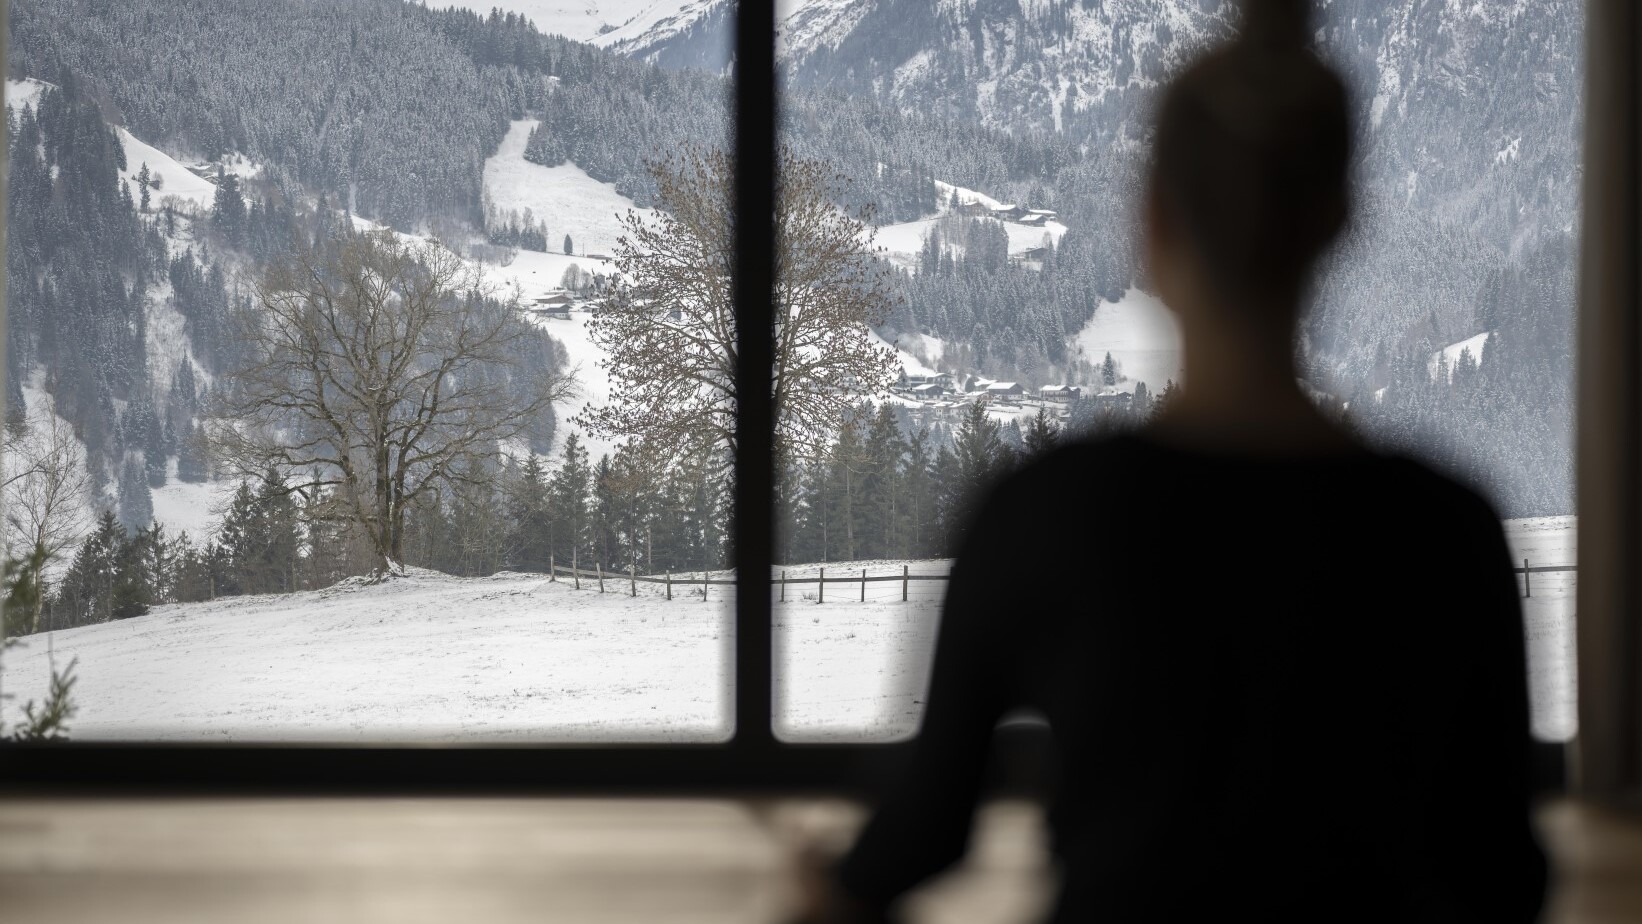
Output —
(1471, 109)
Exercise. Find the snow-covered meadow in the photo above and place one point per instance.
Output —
(514, 657)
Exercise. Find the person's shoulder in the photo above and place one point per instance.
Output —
(1069, 465)
(1434, 495)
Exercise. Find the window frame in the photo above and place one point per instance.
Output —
(753, 760)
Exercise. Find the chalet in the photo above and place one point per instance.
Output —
(1034, 220)
(928, 390)
(973, 210)
(1060, 392)
(556, 306)
(1110, 398)
(1005, 390)
(1033, 255)
(1010, 213)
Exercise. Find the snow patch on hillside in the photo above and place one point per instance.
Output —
(176, 181)
(565, 198)
(1142, 336)
(1451, 353)
(653, 23)
(25, 92)
(581, 20)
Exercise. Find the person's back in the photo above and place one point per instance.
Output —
(1284, 674)
(1288, 684)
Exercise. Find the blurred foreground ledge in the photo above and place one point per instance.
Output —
(572, 860)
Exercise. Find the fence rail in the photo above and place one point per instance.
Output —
(702, 579)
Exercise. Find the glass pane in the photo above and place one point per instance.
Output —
(996, 156)
(321, 348)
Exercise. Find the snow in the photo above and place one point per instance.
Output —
(509, 657)
(654, 21)
(513, 657)
(580, 20)
(25, 92)
(195, 508)
(1142, 336)
(912, 364)
(1452, 353)
(564, 197)
(1548, 617)
(176, 180)
(966, 196)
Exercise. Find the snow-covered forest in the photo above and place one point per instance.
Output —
(179, 167)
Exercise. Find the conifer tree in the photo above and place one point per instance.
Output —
(136, 501)
(569, 496)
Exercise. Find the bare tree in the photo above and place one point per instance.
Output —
(45, 496)
(381, 370)
(668, 328)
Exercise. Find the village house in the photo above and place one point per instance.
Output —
(1063, 393)
(1005, 391)
(555, 305)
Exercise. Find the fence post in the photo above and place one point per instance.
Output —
(783, 587)
(669, 585)
(632, 582)
(552, 572)
(575, 568)
(1527, 580)
(863, 585)
(703, 586)
(821, 587)
(905, 571)
(599, 566)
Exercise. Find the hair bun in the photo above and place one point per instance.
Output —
(1285, 22)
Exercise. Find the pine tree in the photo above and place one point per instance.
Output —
(228, 208)
(86, 593)
(144, 178)
(569, 493)
(530, 540)
(1041, 434)
(569, 248)
(882, 502)
(135, 500)
(1108, 370)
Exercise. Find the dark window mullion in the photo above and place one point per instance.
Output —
(753, 522)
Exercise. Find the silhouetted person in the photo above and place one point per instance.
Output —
(1286, 682)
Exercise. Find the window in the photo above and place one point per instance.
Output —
(998, 187)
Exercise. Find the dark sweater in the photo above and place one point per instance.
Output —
(1280, 689)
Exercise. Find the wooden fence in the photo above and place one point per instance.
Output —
(702, 579)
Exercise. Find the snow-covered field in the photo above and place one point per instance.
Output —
(1142, 336)
(509, 657)
(514, 657)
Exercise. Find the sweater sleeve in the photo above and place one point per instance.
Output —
(923, 824)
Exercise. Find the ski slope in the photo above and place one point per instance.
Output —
(565, 198)
(1142, 336)
(514, 657)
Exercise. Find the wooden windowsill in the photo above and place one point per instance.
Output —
(608, 861)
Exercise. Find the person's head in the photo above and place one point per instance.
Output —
(1250, 175)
